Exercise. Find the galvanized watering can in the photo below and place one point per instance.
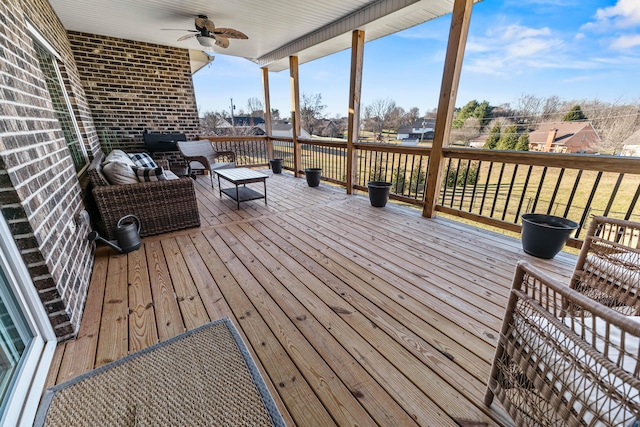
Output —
(127, 235)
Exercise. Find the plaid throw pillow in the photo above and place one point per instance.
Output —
(149, 174)
(143, 160)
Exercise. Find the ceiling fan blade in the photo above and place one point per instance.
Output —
(188, 36)
(222, 41)
(204, 22)
(229, 33)
(200, 21)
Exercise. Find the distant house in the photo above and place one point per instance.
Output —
(565, 137)
(239, 125)
(281, 130)
(631, 145)
(243, 121)
(329, 128)
(422, 129)
(479, 141)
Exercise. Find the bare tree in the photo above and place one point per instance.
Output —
(254, 107)
(411, 116)
(211, 122)
(528, 108)
(311, 109)
(551, 111)
(614, 122)
(469, 130)
(380, 111)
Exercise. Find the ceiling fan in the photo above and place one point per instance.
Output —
(208, 35)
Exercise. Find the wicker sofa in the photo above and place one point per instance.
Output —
(569, 355)
(162, 206)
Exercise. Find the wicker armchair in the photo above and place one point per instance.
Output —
(162, 206)
(564, 358)
(608, 268)
(203, 153)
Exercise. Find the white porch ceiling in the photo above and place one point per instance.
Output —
(276, 29)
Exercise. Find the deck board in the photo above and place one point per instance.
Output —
(353, 314)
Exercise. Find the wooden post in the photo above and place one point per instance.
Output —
(267, 111)
(355, 88)
(446, 103)
(295, 114)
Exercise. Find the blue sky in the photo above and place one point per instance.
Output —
(576, 49)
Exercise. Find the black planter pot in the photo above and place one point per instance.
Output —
(543, 236)
(313, 176)
(276, 165)
(379, 193)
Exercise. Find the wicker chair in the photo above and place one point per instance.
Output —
(203, 152)
(564, 358)
(162, 206)
(608, 268)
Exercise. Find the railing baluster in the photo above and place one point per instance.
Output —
(535, 201)
(616, 187)
(497, 192)
(523, 194)
(420, 185)
(587, 207)
(446, 181)
(475, 185)
(455, 183)
(506, 203)
(486, 187)
(555, 192)
(632, 205)
(573, 193)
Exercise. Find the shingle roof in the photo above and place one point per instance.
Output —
(634, 139)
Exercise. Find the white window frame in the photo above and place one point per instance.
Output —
(39, 38)
(24, 397)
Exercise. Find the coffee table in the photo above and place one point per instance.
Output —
(241, 177)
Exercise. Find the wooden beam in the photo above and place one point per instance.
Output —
(295, 113)
(448, 92)
(267, 111)
(355, 88)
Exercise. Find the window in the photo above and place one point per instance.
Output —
(62, 106)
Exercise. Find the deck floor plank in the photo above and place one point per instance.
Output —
(82, 352)
(168, 318)
(353, 314)
(299, 398)
(143, 331)
(113, 339)
(271, 299)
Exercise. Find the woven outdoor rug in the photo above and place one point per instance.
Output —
(204, 377)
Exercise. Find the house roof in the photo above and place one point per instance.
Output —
(565, 131)
(276, 29)
(634, 139)
(579, 135)
(244, 120)
(283, 130)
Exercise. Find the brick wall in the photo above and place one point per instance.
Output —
(132, 86)
(40, 195)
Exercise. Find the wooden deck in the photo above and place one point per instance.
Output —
(355, 315)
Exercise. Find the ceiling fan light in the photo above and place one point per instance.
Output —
(206, 41)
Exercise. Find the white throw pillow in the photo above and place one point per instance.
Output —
(119, 173)
(118, 156)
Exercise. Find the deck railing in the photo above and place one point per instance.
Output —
(250, 150)
(490, 187)
(496, 187)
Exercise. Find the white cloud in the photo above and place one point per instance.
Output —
(624, 14)
(509, 49)
(626, 42)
